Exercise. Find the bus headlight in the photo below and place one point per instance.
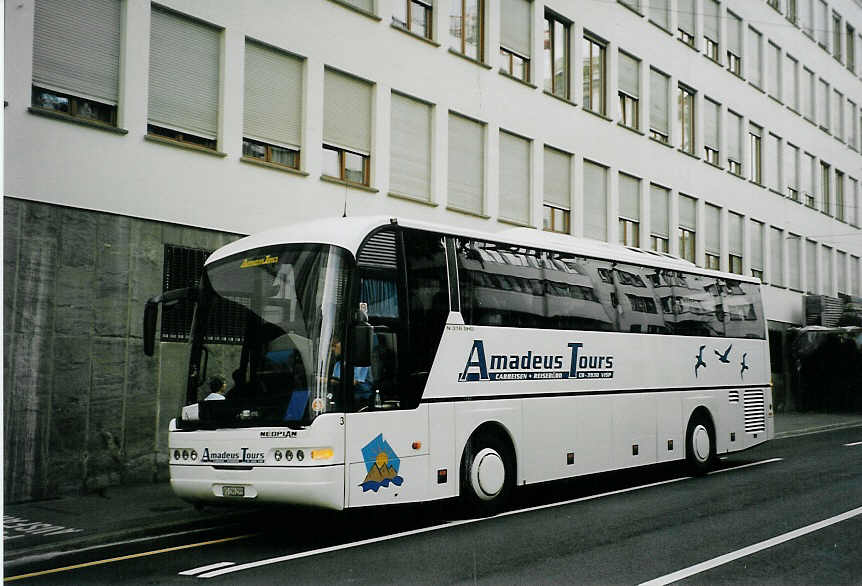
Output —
(300, 455)
(176, 454)
(288, 455)
(194, 455)
(277, 455)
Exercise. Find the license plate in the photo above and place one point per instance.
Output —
(233, 491)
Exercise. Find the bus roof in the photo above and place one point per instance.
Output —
(349, 233)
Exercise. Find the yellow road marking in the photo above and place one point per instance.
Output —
(129, 557)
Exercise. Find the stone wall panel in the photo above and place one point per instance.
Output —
(83, 407)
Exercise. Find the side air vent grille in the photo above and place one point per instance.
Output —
(733, 396)
(379, 251)
(755, 411)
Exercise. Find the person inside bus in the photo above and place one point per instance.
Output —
(362, 377)
(218, 388)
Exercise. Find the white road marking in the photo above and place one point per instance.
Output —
(746, 465)
(202, 569)
(746, 551)
(853, 444)
(313, 552)
(816, 429)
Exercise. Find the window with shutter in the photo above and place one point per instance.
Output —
(410, 147)
(659, 100)
(809, 179)
(774, 66)
(595, 201)
(184, 79)
(756, 240)
(811, 284)
(791, 171)
(734, 242)
(807, 94)
(791, 82)
(659, 234)
(794, 274)
(346, 127)
(514, 178)
(734, 43)
(734, 142)
(515, 20)
(776, 257)
(773, 165)
(712, 241)
(686, 10)
(710, 28)
(687, 227)
(629, 218)
(711, 127)
(629, 93)
(823, 104)
(755, 63)
(272, 107)
(659, 13)
(557, 190)
(76, 58)
(466, 164)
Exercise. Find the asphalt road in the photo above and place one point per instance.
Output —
(789, 512)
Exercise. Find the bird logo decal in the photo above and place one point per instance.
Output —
(700, 361)
(723, 357)
(744, 366)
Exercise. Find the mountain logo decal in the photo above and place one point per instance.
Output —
(382, 465)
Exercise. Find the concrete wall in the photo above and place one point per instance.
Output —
(83, 407)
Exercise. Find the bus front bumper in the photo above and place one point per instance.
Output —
(313, 486)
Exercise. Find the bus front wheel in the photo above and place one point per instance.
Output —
(700, 444)
(487, 475)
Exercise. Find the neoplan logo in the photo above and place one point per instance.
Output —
(535, 366)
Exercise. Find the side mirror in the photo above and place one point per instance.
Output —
(151, 312)
(361, 337)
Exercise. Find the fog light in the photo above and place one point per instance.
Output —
(185, 454)
(299, 455)
(288, 455)
(277, 455)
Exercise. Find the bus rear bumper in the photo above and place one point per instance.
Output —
(313, 486)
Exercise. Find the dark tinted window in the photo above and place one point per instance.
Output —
(505, 285)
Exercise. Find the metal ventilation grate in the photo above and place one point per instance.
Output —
(754, 406)
(733, 396)
(379, 251)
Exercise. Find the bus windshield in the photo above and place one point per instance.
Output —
(269, 323)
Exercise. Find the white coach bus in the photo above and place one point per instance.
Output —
(373, 360)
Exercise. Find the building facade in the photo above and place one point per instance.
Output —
(141, 135)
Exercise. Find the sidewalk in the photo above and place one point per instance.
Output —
(124, 513)
(131, 512)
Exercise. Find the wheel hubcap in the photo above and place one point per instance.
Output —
(700, 443)
(488, 474)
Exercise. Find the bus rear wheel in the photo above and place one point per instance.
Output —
(487, 475)
(700, 444)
